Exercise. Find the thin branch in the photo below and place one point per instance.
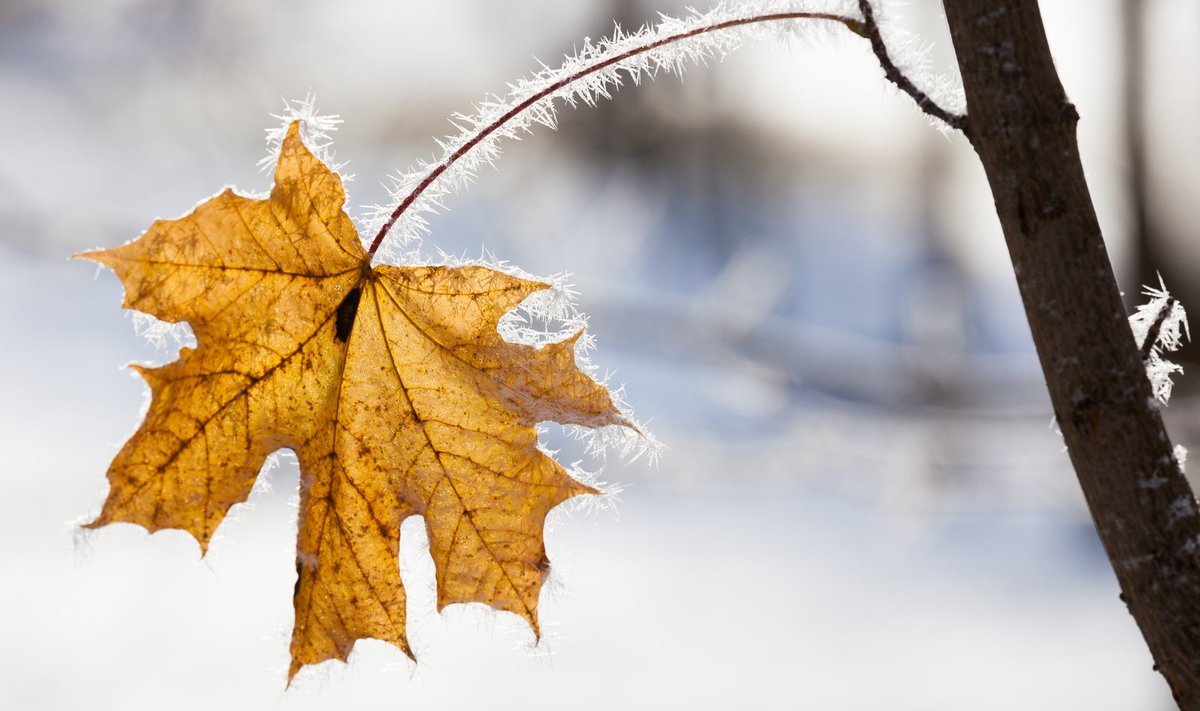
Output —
(866, 27)
(1156, 327)
(492, 127)
(1142, 504)
(869, 28)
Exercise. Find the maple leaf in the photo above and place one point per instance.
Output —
(392, 386)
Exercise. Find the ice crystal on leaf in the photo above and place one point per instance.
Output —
(393, 386)
(315, 130)
(406, 388)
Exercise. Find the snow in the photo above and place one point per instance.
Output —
(1165, 310)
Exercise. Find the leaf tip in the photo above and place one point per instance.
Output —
(99, 256)
(293, 131)
(293, 668)
(100, 520)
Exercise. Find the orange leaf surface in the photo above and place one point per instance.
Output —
(391, 385)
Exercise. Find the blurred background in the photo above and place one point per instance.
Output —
(803, 286)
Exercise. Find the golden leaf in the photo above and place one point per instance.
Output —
(391, 384)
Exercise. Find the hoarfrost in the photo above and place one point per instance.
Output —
(594, 72)
(547, 316)
(1168, 314)
(314, 130)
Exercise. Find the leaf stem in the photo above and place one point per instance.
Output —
(865, 27)
(853, 24)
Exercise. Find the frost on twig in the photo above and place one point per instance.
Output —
(1160, 326)
(594, 72)
(907, 65)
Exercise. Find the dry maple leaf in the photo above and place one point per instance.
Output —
(391, 384)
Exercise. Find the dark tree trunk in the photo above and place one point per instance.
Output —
(1023, 128)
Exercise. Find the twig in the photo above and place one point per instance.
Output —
(491, 128)
(867, 27)
(1152, 334)
(870, 29)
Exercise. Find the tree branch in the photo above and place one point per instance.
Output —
(870, 29)
(1156, 327)
(470, 141)
(597, 66)
(1023, 128)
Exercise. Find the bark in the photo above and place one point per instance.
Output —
(1023, 128)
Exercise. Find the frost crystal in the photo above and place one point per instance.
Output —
(550, 316)
(594, 72)
(164, 336)
(314, 130)
(913, 57)
(1165, 311)
(547, 316)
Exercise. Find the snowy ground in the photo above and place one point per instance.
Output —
(713, 586)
